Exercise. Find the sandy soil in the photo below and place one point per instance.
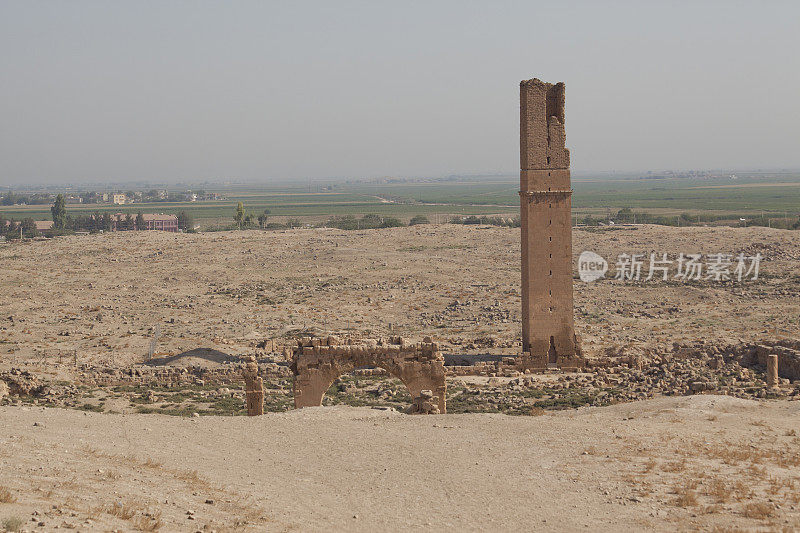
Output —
(669, 464)
(103, 295)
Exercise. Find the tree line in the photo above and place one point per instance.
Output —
(65, 223)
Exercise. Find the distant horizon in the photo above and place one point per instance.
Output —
(300, 182)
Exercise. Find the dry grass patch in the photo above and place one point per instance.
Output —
(756, 471)
(691, 483)
(734, 453)
(151, 463)
(122, 510)
(740, 491)
(190, 476)
(758, 510)
(148, 521)
(718, 490)
(777, 485)
(112, 474)
(685, 497)
(674, 466)
(6, 496)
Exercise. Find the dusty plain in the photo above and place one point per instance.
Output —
(103, 295)
(705, 461)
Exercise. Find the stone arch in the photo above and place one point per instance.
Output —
(316, 366)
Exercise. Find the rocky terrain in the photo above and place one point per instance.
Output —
(79, 312)
(105, 298)
(129, 327)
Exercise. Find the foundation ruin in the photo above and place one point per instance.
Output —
(317, 362)
(548, 332)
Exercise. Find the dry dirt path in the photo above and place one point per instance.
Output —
(649, 465)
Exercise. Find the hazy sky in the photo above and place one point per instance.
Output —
(112, 90)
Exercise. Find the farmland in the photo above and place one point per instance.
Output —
(748, 195)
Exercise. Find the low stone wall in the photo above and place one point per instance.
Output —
(171, 376)
(788, 357)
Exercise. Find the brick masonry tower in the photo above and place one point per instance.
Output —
(548, 332)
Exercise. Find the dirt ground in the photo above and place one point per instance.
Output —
(105, 296)
(700, 462)
(682, 462)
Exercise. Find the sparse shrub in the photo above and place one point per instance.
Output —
(391, 222)
(12, 523)
(418, 219)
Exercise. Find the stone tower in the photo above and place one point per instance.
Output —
(548, 333)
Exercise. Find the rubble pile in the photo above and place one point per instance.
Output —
(424, 404)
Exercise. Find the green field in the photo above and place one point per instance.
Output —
(773, 194)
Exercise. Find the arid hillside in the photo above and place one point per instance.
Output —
(105, 296)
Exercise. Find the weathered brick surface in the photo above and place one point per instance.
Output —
(548, 333)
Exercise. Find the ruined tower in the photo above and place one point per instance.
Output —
(548, 334)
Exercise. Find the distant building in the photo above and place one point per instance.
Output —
(191, 197)
(160, 222)
(119, 199)
(44, 225)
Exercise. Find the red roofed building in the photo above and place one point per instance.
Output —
(161, 222)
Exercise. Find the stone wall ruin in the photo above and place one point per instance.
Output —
(317, 362)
